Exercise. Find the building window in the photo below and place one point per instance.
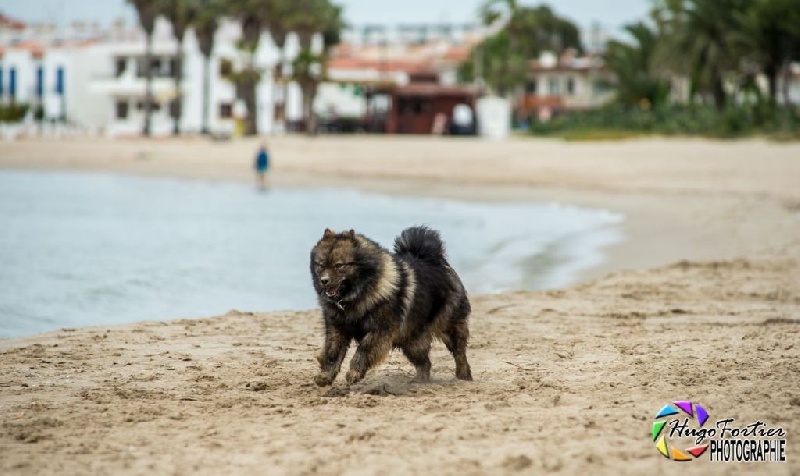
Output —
(60, 81)
(225, 110)
(553, 86)
(174, 65)
(121, 109)
(530, 86)
(571, 86)
(12, 84)
(39, 81)
(119, 66)
(225, 68)
(155, 66)
(154, 106)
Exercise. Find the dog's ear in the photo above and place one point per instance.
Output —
(351, 235)
(328, 234)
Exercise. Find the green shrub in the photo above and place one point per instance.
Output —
(736, 121)
(13, 112)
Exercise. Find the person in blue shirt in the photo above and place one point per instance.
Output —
(261, 165)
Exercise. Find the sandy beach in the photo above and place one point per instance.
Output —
(701, 302)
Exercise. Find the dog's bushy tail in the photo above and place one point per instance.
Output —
(423, 243)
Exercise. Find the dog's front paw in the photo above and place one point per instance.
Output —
(323, 379)
(353, 376)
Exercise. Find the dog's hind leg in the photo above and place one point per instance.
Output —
(455, 338)
(418, 352)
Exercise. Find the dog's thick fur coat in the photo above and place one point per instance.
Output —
(386, 300)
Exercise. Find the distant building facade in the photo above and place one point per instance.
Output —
(563, 84)
(402, 76)
(95, 78)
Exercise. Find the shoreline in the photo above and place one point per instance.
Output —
(544, 261)
(706, 218)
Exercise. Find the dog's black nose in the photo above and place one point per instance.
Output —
(324, 280)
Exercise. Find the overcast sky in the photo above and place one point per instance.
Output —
(610, 13)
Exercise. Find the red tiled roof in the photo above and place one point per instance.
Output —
(11, 23)
(413, 58)
(379, 65)
(36, 49)
(457, 53)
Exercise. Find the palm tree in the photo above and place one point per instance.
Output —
(502, 59)
(147, 10)
(279, 29)
(775, 27)
(704, 38)
(632, 64)
(501, 68)
(308, 69)
(251, 15)
(493, 10)
(181, 14)
(255, 16)
(205, 28)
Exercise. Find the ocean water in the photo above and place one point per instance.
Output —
(82, 249)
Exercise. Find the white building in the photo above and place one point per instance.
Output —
(116, 73)
(98, 82)
(567, 83)
(33, 76)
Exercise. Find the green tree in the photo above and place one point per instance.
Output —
(502, 59)
(279, 29)
(252, 15)
(494, 62)
(205, 29)
(181, 14)
(632, 63)
(775, 27)
(308, 68)
(704, 39)
(147, 11)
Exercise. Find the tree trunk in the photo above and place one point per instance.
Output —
(309, 94)
(718, 90)
(787, 82)
(147, 128)
(205, 129)
(251, 101)
(279, 92)
(247, 91)
(176, 124)
(771, 72)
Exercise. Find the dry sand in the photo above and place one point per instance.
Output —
(567, 381)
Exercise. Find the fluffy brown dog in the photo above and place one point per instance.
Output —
(386, 300)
